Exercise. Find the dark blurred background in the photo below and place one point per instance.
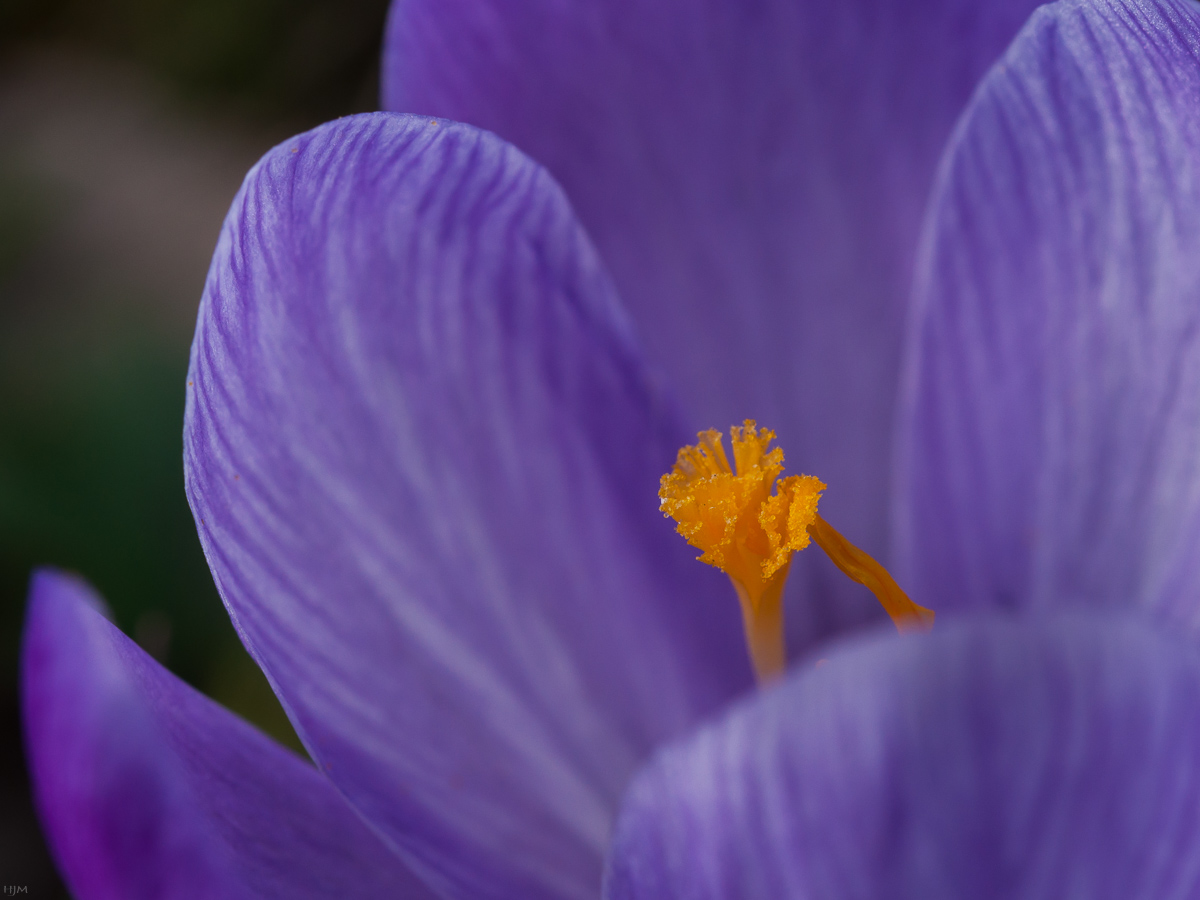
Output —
(125, 129)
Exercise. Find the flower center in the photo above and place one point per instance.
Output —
(750, 534)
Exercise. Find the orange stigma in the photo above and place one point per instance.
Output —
(750, 534)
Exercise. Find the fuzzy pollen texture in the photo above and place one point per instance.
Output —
(745, 518)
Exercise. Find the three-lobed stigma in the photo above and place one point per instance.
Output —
(744, 529)
(747, 521)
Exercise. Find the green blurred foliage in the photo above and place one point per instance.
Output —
(91, 472)
(315, 59)
(91, 412)
(92, 390)
(91, 480)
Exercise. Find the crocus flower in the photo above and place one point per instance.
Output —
(438, 372)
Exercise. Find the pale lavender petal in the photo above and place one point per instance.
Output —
(753, 174)
(1006, 759)
(148, 790)
(1051, 443)
(424, 454)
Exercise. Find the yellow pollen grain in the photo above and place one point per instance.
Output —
(747, 521)
(731, 514)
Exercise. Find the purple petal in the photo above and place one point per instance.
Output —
(1051, 449)
(424, 456)
(753, 174)
(992, 759)
(148, 790)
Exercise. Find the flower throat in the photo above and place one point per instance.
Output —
(750, 534)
